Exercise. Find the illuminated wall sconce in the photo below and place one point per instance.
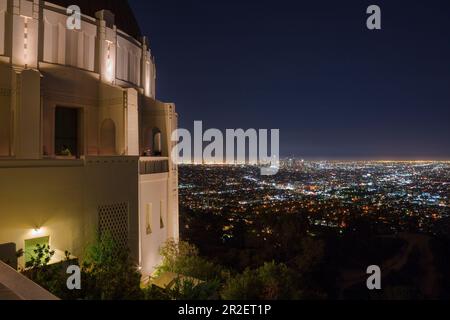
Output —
(37, 232)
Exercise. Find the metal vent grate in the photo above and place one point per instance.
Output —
(113, 219)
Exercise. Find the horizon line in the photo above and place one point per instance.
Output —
(325, 160)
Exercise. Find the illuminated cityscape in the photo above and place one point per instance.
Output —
(326, 221)
(395, 196)
(144, 153)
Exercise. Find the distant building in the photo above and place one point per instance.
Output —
(84, 144)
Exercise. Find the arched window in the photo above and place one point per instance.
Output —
(157, 143)
(108, 138)
(152, 142)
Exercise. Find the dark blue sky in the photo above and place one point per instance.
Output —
(311, 69)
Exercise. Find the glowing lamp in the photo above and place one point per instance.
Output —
(36, 231)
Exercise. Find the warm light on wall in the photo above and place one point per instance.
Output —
(147, 79)
(25, 41)
(109, 72)
(37, 232)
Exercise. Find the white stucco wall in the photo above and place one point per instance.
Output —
(132, 122)
(152, 194)
(128, 61)
(27, 115)
(61, 197)
(66, 47)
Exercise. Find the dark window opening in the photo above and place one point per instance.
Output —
(66, 132)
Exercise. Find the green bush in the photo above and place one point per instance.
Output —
(269, 282)
(52, 277)
(190, 290)
(109, 273)
(183, 258)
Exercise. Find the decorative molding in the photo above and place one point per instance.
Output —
(114, 102)
(54, 95)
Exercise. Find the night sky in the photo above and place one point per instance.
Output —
(311, 69)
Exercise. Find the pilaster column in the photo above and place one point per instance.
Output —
(132, 122)
(25, 33)
(27, 120)
(146, 73)
(107, 46)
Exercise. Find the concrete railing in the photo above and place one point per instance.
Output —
(149, 165)
(14, 286)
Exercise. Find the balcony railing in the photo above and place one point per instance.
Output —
(153, 165)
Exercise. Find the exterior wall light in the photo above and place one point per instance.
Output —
(37, 232)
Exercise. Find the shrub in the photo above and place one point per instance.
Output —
(269, 282)
(52, 277)
(183, 258)
(187, 289)
(109, 273)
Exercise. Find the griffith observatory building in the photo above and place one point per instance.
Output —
(84, 143)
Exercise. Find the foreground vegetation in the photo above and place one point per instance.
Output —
(108, 273)
(288, 264)
(326, 262)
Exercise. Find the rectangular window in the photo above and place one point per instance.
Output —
(31, 245)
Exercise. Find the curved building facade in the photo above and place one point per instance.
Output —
(84, 143)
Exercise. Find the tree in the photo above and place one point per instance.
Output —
(183, 258)
(109, 273)
(269, 282)
(198, 279)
